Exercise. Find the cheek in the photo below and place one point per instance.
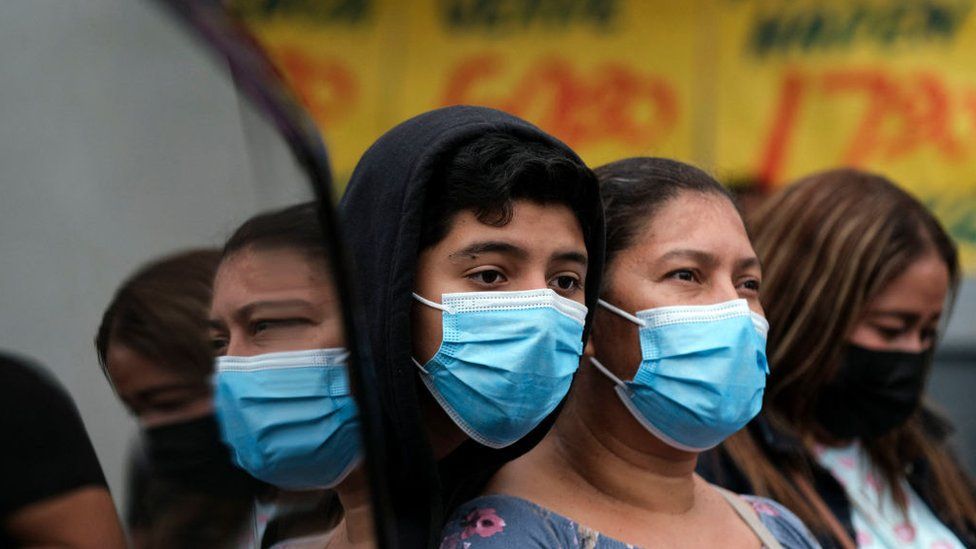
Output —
(865, 336)
(427, 331)
(190, 410)
(616, 345)
(330, 334)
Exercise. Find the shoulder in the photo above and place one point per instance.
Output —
(32, 396)
(500, 521)
(23, 375)
(39, 418)
(782, 523)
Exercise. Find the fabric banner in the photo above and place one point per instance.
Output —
(752, 90)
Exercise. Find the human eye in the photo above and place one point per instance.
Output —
(171, 405)
(566, 283)
(487, 277)
(218, 344)
(889, 333)
(685, 275)
(750, 285)
(264, 325)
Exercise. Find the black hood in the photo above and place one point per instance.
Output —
(381, 215)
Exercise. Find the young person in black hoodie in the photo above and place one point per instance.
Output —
(479, 244)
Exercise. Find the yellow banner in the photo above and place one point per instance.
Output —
(886, 86)
(336, 55)
(361, 66)
(761, 90)
(563, 70)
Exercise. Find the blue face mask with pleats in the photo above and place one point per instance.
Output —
(506, 360)
(289, 418)
(702, 373)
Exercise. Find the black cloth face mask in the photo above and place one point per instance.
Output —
(191, 453)
(873, 392)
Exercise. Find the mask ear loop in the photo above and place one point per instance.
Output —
(622, 313)
(418, 365)
(603, 369)
(433, 305)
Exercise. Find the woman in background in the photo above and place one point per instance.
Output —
(857, 274)
(154, 348)
(283, 396)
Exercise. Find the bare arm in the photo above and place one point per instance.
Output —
(82, 518)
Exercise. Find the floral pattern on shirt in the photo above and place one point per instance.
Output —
(877, 519)
(506, 522)
(482, 522)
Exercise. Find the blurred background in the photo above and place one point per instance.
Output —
(123, 140)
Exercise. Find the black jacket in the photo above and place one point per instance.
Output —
(717, 467)
(381, 215)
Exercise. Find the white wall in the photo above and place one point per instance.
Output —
(120, 140)
(954, 375)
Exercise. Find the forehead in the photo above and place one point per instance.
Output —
(532, 225)
(269, 272)
(699, 221)
(131, 371)
(921, 288)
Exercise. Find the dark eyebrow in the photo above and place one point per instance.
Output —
(701, 257)
(748, 263)
(145, 394)
(572, 255)
(490, 246)
(906, 316)
(246, 311)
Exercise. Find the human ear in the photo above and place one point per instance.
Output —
(590, 348)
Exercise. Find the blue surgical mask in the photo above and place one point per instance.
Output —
(289, 418)
(506, 360)
(702, 372)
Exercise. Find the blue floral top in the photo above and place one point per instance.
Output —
(498, 521)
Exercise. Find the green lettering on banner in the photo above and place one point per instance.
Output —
(500, 16)
(323, 12)
(781, 30)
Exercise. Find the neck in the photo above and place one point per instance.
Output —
(444, 435)
(648, 475)
(356, 527)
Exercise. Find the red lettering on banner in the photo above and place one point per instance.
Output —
(613, 102)
(328, 87)
(901, 115)
(777, 145)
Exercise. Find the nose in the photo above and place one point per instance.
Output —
(916, 342)
(724, 291)
(237, 346)
(531, 281)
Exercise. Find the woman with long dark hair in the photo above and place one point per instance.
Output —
(858, 277)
